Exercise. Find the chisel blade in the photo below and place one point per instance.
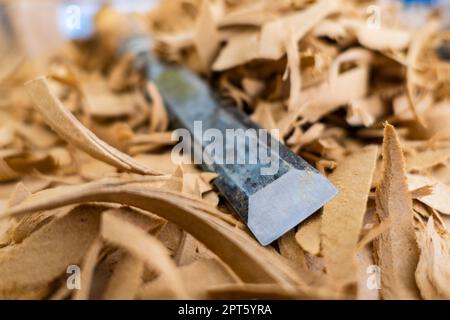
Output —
(271, 196)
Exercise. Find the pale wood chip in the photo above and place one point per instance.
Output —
(6, 135)
(342, 217)
(294, 254)
(102, 102)
(293, 65)
(308, 235)
(427, 159)
(197, 277)
(29, 267)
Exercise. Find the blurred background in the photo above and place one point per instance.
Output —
(38, 26)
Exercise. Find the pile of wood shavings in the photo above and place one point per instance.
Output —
(86, 177)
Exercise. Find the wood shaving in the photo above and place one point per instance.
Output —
(159, 120)
(308, 235)
(433, 267)
(343, 216)
(125, 280)
(396, 249)
(147, 248)
(66, 125)
(30, 267)
(439, 196)
(88, 266)
(427, 159)
(198, 277)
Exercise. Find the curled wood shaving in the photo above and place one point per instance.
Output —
(206, 38)
(415, 49)
(144, 246)
(272, 33)
(383, 38)
(70, 129)
(396, 249)
(433, 270)
(6, 172)
(330, 96)
(269, 43)
(250, 262)
(438, 198)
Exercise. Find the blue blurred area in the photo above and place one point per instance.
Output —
(76, 20)
(415, 12)
(421, 2)
(76, 17)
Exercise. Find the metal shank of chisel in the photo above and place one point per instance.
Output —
(270, 205)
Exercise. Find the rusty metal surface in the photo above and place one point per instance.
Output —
(270, 204)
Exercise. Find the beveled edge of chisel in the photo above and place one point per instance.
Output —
(284, 203)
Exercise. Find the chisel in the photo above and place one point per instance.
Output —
(271, 197)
